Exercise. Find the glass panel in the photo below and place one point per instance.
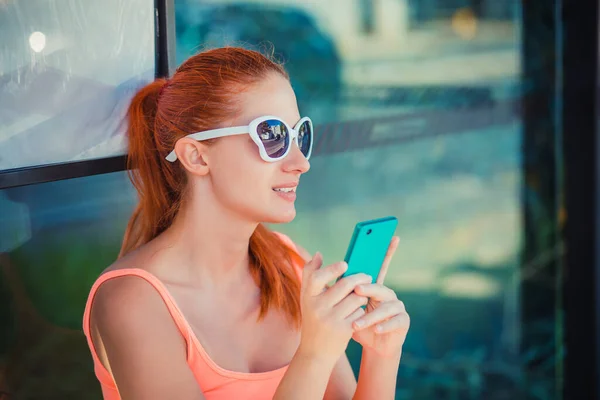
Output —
(55, 240)
(67, 72)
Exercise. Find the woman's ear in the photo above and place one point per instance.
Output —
(193, 155)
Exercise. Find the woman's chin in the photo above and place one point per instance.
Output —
(282, 217)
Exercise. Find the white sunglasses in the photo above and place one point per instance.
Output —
(271, 134)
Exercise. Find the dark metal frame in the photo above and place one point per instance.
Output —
(580, 152)
(164, 11)
(541, 284)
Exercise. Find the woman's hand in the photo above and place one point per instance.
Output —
(328, 312)
(384, 327)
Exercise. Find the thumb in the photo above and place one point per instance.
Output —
(313, 265)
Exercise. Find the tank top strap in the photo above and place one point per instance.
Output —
(174, 310)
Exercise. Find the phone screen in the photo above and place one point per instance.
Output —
(368, 246)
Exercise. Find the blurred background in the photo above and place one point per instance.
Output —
(447, 114)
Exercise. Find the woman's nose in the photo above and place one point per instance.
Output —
(296, 161)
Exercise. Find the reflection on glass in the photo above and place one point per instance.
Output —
(67, 72)
(274, 136)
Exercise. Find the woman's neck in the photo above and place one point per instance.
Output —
(207, 245)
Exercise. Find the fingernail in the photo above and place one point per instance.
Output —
(379, 328)
(359, 323)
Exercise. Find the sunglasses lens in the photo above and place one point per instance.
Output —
(274, 136)
(305, 137)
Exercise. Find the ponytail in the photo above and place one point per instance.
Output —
(149, 173)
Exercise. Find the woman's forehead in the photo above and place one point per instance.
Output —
(272, 96)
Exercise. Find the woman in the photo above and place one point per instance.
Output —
(204, 301)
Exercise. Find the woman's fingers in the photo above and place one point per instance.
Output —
(310, 268)
(349, 305)
(322, 277)
(376, 292)
(342, 288)
(382, 313)
(359, 312)
(400, 322)
(388, 259)
(315, 278)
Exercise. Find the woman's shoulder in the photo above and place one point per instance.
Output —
(128, 280)
(128, 296)
(135, 286)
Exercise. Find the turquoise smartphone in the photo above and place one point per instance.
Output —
(368, 246)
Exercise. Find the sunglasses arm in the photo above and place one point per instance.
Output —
(211, 134)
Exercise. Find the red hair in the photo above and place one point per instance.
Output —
(200, 96)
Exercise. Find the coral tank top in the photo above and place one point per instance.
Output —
(215, 382)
